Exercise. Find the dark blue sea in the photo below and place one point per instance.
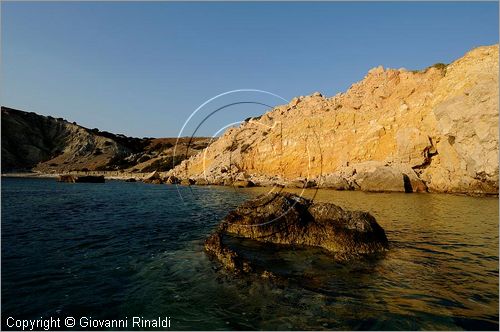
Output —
(119, 250)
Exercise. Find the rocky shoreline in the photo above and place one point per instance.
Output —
(369, 177)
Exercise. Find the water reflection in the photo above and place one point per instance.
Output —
(124, 249)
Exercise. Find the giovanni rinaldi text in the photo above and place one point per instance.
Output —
(51, 323)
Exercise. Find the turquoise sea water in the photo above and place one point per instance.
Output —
(116, 250)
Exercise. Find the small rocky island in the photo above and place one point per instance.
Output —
(290, 220)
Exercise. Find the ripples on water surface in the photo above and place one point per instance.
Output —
(121, 249)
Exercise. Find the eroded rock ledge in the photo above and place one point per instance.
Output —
(287, 219)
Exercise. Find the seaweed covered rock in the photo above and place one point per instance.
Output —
(288, 219)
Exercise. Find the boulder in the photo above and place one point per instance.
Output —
(378, 177)
(288, 219)
(153, 178)
(130, 180)
(243, 184)
(301, 183)
(172, 180)
(218, 181)
(201, 182)
(333, 181)
(187, 182)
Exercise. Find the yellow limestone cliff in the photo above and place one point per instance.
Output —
(395, 130)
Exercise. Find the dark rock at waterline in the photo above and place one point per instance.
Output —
(131, 180)
(153, 181)
(300, 183)
(172, 180)
(187, 182)
(153, 178)
(81, 179)
(288, 219)
(201, 182)
(243, 184)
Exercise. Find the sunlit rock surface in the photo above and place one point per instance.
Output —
(436, 129)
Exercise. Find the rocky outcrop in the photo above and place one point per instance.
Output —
(436, 129)
(81, 179)
(288, 219)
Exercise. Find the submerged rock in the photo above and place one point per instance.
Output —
(288, 219)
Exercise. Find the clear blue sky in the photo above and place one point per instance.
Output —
(142, 68)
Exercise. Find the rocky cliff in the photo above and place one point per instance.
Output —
(396, 130)
(53, 145)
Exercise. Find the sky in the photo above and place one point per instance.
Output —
(142, 69)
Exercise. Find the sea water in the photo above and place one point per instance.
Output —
(118, 251)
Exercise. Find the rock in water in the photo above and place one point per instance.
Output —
(243, 184)
(153, 178)
(81, 179)
(66, 178)
(288, 219)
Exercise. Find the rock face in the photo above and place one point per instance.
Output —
(288, 219)
(436, 129)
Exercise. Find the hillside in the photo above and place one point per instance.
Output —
(396, 130)
(54, 145)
